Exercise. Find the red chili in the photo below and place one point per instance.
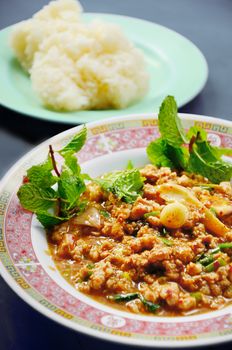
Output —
(25, 180)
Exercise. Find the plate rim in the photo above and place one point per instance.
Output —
(76, 326)
(68, 118)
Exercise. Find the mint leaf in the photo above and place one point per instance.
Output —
(72, 163)
(179, 156)
(107, 180)
(211, 153)
(75, 144)
(48, 220)
(126, 185)
(222, 151)
(201, 135)
(129, 165)
(35, 198)
(70, 188)
(206, 151)
(170, 126)
(205, 160)
(41, 175)
(157, 153)
(215, 171)
(197, 131)
(161, 153)
(86, 177)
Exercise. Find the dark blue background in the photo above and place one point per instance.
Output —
(208, 23)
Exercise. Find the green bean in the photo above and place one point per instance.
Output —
(206, 260)
(225, 245)
(215, 250)
(197, 296)
(166, 241)
(105, 213)
(124, 297)
(150, 306)
(152, 213)
(215, 265)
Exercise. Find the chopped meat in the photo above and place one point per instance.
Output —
(132, 256)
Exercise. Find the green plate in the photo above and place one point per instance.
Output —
(176, 66)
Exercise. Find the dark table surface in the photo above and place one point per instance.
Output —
(208, 24)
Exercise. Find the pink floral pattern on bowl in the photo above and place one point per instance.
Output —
(22, 268)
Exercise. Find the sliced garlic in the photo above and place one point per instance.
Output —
(90, 217)
(174, 215)
(176, 193)
(223, 210)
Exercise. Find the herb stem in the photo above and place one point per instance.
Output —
(226, 245)
(58, 209)
(53, 160)
(191, 143)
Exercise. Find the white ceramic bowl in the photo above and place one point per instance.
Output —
(31, 273)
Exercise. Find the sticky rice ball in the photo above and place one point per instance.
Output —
(74, 65)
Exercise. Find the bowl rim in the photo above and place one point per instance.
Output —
(76, 326)
(41, 116)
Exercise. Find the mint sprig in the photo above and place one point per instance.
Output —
(200, 157)
(161, 153)
(216, 171)
(157, 152)
(70, 188)
(36, 198)
(170, 126)
(206, 160)
(126, 185)
(55, 204)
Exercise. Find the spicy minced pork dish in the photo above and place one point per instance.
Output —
(151, 240)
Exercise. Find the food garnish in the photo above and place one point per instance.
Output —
(53, 205)
(198, 156)
(209, 262)
(38, 194)
(155, 239)
(126, 185)
(150, 306)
